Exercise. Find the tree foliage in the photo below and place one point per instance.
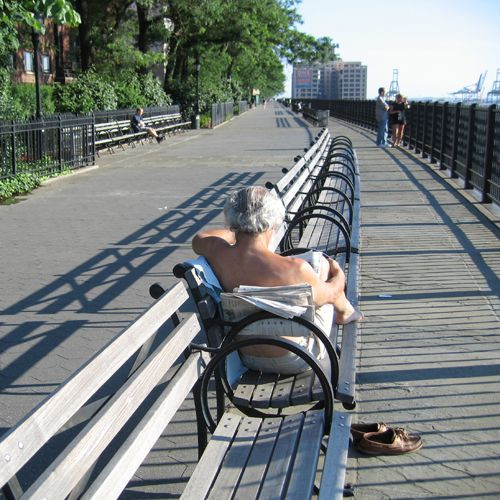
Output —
(31, 14)
(241, 45)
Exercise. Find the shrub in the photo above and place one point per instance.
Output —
(20, 184)
(153, 92)
(24, 95)
(89, 92)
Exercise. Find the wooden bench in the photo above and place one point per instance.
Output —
(331, 223)
(119, 132)
(311, 176)
(153, 362)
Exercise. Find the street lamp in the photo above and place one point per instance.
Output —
(197, 117)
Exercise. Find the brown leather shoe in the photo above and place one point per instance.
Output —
(359, 430)
(390, 442)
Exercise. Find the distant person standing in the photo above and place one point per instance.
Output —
(138, 125)
(398, 119)
(382, 117)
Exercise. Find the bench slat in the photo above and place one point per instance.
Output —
(256, 467)
(210, 462)
(334, 468)
(303, 474)
(235, 459)
(117, 473)
(347, 361)
(262, 394)
(52, 413)
(275, 482)
(70, 466)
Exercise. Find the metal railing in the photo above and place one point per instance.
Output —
(46, 146)
(242, 107)
(221, 112)
(463, 139)
(57, 143)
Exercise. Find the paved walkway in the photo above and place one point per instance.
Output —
(79, 254)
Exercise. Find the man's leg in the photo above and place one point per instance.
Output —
(344, 310)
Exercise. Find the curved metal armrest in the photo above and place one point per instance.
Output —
(262, 315)
(233, 346)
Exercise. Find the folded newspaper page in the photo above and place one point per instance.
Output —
(284, 301)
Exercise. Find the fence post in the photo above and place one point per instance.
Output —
(433, 132)
(60, 143)
(93, 139)
(14, 153)
(417, 126)
(470, 144)
(444, 119)
(424, 131)
(458, 107)
(488, 153)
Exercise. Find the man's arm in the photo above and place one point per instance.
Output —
(206, 242)
(325, 292)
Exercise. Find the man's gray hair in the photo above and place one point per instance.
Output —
(253, 210)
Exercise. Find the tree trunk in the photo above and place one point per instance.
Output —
(84, 34)
(142, 37)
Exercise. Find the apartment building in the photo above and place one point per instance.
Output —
(332, 80)
(58, 56)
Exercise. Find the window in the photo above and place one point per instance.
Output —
(28, 61)
(45, 63)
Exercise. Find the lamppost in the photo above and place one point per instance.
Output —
(35, 37)
(197, 117)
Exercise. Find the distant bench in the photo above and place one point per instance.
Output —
(119, 132)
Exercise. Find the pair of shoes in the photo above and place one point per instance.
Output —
(389, 442)
(359, 430)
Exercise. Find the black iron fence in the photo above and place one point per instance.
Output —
(57, 143)
(46, 146)
(463, 139)
(221, 112)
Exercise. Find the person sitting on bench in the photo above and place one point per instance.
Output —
(138, 125)
(240, 255)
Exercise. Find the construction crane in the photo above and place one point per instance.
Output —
(494, 94)
(394, 86)
(471, 92)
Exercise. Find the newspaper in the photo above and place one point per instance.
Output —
(284, 301)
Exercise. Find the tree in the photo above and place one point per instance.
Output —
(30, 13)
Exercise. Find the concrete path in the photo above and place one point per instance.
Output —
(79, 255)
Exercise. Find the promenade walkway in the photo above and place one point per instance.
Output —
(79, 254)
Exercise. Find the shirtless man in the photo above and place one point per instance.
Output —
(240, 255)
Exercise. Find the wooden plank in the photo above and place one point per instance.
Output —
(302, 388)
(208, 467)
(282, 391)
(278, 472)
(67, 469)
(117, 473)
(244, 390)
(26, 438)
(261, 397)
(235, 460)
(347, 361)
(301, 482)
(256, 467)
(334, 468)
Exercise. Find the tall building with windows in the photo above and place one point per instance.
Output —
(332, 80)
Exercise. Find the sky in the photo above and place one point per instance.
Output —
(438, 46)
